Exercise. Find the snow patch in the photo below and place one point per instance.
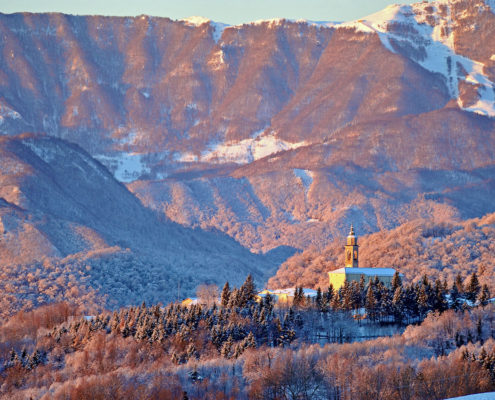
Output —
(217, 61)
(491, 3)
(479, 396)
(7, 112)
(47, 154)
(126, 167)
(326, 24)
(218, 29)
(196, 20)
(270, 21)
(305, 176)
(242, 152)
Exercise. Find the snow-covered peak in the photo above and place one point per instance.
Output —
(196, 20)
(218, 27)
(424, 32)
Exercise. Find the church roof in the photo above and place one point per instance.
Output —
(366, 271)
(288, 292)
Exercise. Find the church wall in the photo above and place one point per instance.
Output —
(336, 280)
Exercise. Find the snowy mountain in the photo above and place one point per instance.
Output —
(275, 132)
(65, 220)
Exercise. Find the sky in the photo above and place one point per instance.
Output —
(227, 11)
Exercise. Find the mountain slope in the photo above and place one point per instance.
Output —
(65, 219)
(275, 132)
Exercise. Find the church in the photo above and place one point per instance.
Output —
(352, 272)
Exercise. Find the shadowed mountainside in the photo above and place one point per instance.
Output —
(65, 221)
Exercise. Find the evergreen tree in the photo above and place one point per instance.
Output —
(459, 285)
(356, 295)
(440, 302)
(319, 299)
(225, 296)
(362, 284)
(191, 352)
(247, 291)
(484, 295)
(370, 303)
(227, 347)
(422, 300)
(473, 288)
(268, 303)
(398, 305)
(335, 303)
(455, 298)
(250, 341)
(298, 297)
(396, 281)
(329, 295)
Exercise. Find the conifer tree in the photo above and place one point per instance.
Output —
(396, 281)
(473, 288)
(226, 350)
(459, 285)
(248, 291)
(398, 305)
(422, 301)
(225, 296)
(335, 303)
(298, 297)
(440, 303)
(249, 341)
(268, 303)
(191, 352)
(455, 298)
(370, 303)
(329, 294)
(319, 299)
(484, 295)
(362, 284)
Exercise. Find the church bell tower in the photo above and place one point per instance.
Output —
(351, 250)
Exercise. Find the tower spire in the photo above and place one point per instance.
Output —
(351, 250)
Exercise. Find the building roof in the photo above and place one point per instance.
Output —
(366, 271)
(288, 292)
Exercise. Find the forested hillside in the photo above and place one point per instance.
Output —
(439, 250)
(241, 350)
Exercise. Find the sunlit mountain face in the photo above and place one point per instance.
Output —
(274, 133)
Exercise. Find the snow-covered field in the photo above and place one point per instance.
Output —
(479, 396)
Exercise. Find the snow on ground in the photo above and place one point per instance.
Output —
(126, 167)
(7, 112)
(305, 176)
(218, 27)
(479, 396)
(242, 152)
(46, 153)
(491, 3)
(433, 45)
(195, 20)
